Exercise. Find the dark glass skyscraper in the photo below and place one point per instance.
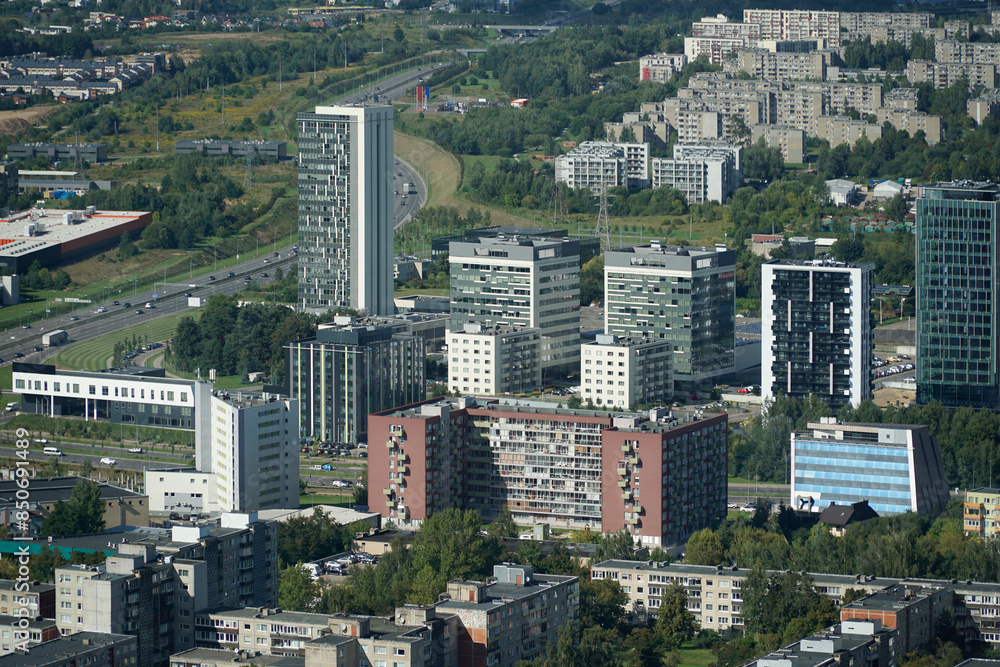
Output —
(957, 350)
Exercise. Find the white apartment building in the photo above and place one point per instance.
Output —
(491, 360)
(703, 172)
(661, 67)
(817, 333)
(618, 372)
(720, 26)
(951, 51)
(520, 282)
(795, 25)
(346, 209)
(252, 444)
(987, 104)
(596, 165)
(715, 49)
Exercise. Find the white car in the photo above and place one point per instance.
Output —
(108, 461)
(135, 450)
(340, 484)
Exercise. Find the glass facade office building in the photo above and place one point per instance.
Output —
(895, 468)
(957, 270)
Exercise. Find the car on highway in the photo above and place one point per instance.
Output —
(26, 326)
(327, 466)
(108, 461)
(264, 274)
(149, 304)
(18, 355)
(276, 254)
(187, 293)
(115, 303)
(267, 261)
(37, 348)
(135, 450)
(74, 318)
(340, 484)
(127, 305)
(230, 275)
(211, 277)
(138, 311)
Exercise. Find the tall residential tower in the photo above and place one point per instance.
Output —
(346, 209)
(817, 331)
(957, 281)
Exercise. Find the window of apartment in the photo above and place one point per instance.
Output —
(380, 650)
(399, 651)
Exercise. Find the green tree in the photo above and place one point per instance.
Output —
(450, 543)
(398, 34)
(602, 603)
(897, 208)
(761, 162)
(592, 281)
(305, 538)
(43, 564)
(704, 548)
(126, 248)
(674, 623)
(296, 589)
(83, 514)
(619, 546)
(503, 525)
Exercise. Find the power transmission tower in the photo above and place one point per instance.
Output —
(603, 229)
(248, 178)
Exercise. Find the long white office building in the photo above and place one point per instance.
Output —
(596, 165)
(703, 172)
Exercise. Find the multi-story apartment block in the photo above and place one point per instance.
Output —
(153, 585)
(895, 468)
(661, 67)
(793, 24)
(790, 139)
(352, 367)
(912, 122)
(624, 372)
(552, 465)
(839, 96)
(720, 26)
(596, 165)
(902, 98)
(858, 22)
(982, 511)
(779, 66)
(982, 53)
(39, 599)
(714, 49)
(817, 333)
(858, 643)
(957, 263)
(346, 209)
(486, 361)
(714, 592)
(703, 172)
(799, 108)
(24, 632)
(682, 294)
(945, 75)
(524, 282)
(985, 105)
(912, 611)
(81, 648)
(651, 128)
(252, 445)
(709, 117)
(845, 130)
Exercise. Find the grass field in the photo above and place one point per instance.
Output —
(93, 355)
(695, 657)
(343, 499)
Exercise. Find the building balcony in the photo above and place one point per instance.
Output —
(626, 495)
(623, 483)
(622, 468)
(387, 492)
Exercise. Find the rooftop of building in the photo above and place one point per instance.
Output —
(342, 515)
(840, 516)
(611, 340)
(271, 614)
(48, 144)
(799, 654)
(494, 330)
(228, 142)
(654, 248)
(8, 621)
(831, 424)
(819, 264)
(501, 593)
(146, 374)
(892, 598)
(56, 651)
(985, 489)
(963, 189)
(218, 656)
(843, 580)
(33, 587)
(505, 240)
(160, 538)
(602, 148)
(60, 226)
(54, 489)
(243, 400)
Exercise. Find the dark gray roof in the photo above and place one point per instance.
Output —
(842, 515)
(55, 651)
(55, 489)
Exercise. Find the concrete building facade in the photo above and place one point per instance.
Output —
(623, 372)
(346, 209)
(487, 361)
(817, 332)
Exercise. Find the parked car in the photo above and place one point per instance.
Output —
(108, 461)
(340, 484)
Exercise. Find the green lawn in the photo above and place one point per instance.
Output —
(695, 657)
(344, 499)
(93, 355)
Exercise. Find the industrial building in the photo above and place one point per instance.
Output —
(57, 236)
(659, 475)
(896, 468)
(89, 153)
(220, 148)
